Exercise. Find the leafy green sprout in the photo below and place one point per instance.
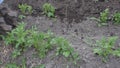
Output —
(103, 17)
(116, 18)
(12, 65)
(104, 47)
(21, 17)
(25, 9)
(19, 39)
(48, 10)
(40, 66)
(64, 48)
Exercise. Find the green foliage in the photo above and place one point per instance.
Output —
(18, 38)
(116, 52)
(64, 48)
(23, 63)
(22, 39)
(41, 42)
(105, 46)
(21, 17)
(25, 9)
(40, 66)
(48, 10)
(103, 18)
(11, 65)
(116, 18)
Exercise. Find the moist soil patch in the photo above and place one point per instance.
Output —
(72, 22)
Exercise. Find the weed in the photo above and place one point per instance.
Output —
(104, 47)
(116, 18)
(25, 9)
(48, 10)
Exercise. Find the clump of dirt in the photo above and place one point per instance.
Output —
(8, 19)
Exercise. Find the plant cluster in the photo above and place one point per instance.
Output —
(104, 47)
(48, 10)
(116, 18)
(25, 9)
(104, 18)
(21, 39)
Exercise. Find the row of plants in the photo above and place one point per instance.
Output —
(47, 8)
(104, 18)
(21, 39)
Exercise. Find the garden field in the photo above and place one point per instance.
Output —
(60, 34)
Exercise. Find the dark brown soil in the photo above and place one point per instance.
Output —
(72, 22)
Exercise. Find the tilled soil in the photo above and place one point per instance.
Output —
(72, 22)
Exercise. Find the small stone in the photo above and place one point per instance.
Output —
(13, 13)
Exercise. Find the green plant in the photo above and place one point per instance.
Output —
(40, 66)
(116, 18)
(19, 39)
(104, 47)
(103, 17)
(64, 48)
(48, 10)
(41, 42)
(23, 63)
(11, 65)
(117, 52)
(24, 8)
(21, 17)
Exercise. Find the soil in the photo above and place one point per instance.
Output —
(73, 22)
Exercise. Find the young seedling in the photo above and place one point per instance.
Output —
(40, 66)
(21, 17)
(25, 9)
(19, 39)
(64, 48)
(12, 65)
(116, 18)
(48, 10)
(103, 18)
(104, 47)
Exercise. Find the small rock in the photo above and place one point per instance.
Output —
(13, 13)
